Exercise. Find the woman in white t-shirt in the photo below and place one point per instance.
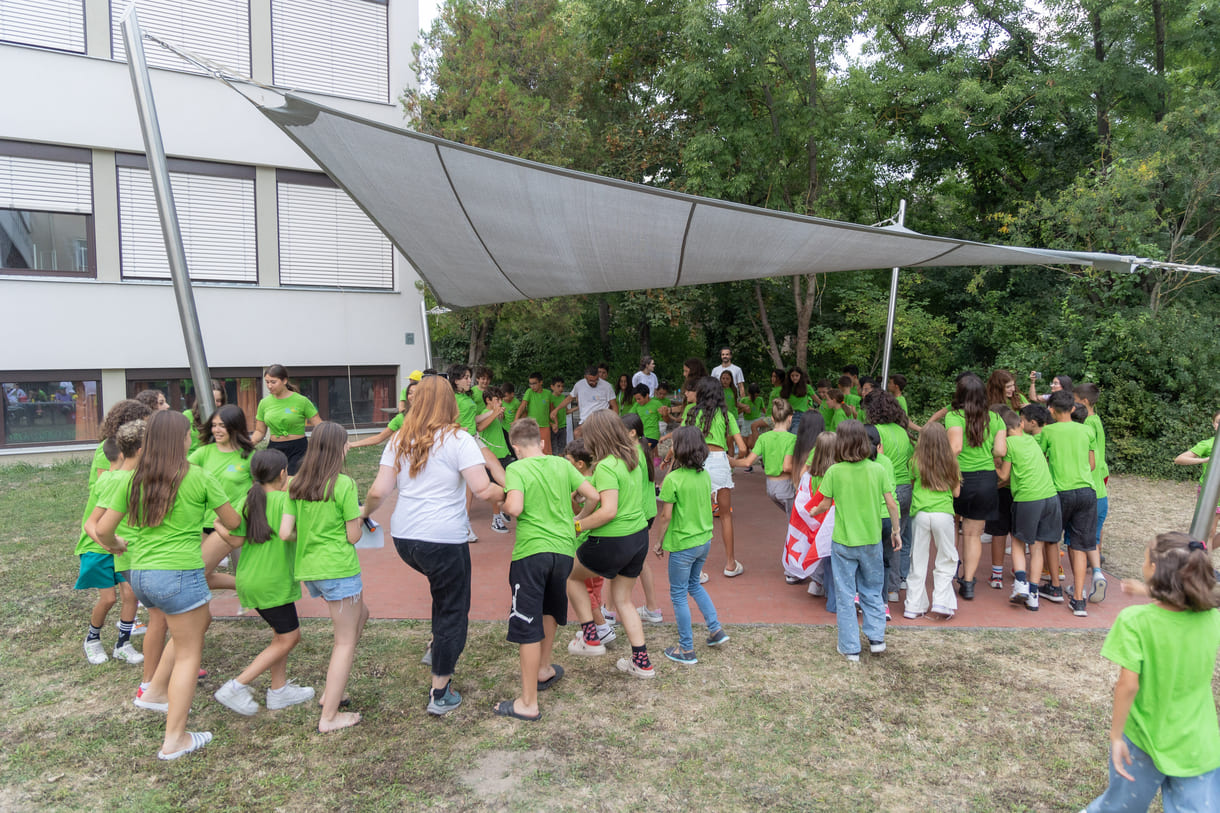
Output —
(646, 375)
(430, 462)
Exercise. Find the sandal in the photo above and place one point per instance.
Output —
(505, 709)
(543, 685)
(198, 740)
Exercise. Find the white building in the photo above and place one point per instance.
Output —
(287, 269)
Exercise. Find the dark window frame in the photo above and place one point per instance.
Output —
(48, 375)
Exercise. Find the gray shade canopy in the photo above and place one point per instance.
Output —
(480, 227)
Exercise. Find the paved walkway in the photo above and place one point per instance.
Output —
(758, 596)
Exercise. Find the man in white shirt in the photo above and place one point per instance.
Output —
(592, 394)
(646, 375)
(727, 365)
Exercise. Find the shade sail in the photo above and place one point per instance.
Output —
(480, 227)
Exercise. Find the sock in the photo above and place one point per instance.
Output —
(997, 571)
(125, 628)
(590, 631)
(95, 633)
(639, 654)
(1019, 575)
(603, 630)
(437, 694)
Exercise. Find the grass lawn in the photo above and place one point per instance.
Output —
(945, 720)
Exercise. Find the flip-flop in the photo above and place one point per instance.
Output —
(543, 685)
(505, 709)
(198, 740)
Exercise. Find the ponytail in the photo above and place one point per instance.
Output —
(265, 467)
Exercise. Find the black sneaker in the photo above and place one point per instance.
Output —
(966, 589)
(1080, 607)
(1051, 593)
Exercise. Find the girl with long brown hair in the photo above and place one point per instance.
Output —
(430, 463)
(1001, 388)
(619, 545)
(324, 511)
(711, 416)
(283, 415)
(164, 504)
(936, 481)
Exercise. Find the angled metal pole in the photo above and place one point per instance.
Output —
(1206, 506)
(423, 312)
(889, 318)
(141, 83)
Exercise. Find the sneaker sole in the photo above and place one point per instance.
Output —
(1099, 591)
(441, 711)
(575, 648)
(626, 666)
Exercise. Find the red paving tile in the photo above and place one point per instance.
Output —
(758, 596)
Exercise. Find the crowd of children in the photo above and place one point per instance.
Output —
(873, 499)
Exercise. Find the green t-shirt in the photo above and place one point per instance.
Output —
(1030, 478)
(890, 486)
(264, 574)
(467, 412)
(538, 406)
(690, 525)
(1067, 445)
(230, 469)
(758, 408)
(1201, 449)
(546, 483)
(650, 415)
(583, 535)
(730, 401)
(190, 416)
(715, 435)
(611, 474)
(776, 392)
(480, 404)
(396, 422)
(926, 500)
(1173, 717)
(175, 543)
(834, 417)
(800, 403)
(85, 543)
(323, 551)
(493, 436)
(648, 489)
(1102, 470)
(109, 482)
(101, 464)
(902, 402)
(896, 444)
(851, 398)
(975, 458)
(510, 412)
(856, 488)
(287, 415)
(772, 447)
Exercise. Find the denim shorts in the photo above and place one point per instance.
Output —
(171, 591)
(335, 589)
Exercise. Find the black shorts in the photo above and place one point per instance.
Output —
(540, 587)
(282, 619)
(611, 556)
(504, 461)
(652, 442)
(1079, 507)
(979, 498)
(294, 450)
(1037, 521)
(1000, 523)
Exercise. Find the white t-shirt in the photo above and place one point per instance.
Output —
(432, 505)
(592, 399)
(738, 378)
(649, 379)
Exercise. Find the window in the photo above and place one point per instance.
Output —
(46, 210)
(339, 47)
(216, 29)
(58, 24)
(363, 397)
(42, 408)
(242, 387)
(326, 239)
(215, 204)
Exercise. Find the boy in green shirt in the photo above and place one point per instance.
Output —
(536, 404)
(1086, 395)
(898, 383)
(1036, 518)
(539, 489)
(649, 410)
(850, 400)
(1068, 447)
(491, 432)
(510, 404)
(559, 424)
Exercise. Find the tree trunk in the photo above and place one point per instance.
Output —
(480, 330)
(1158, 26)
(804, 300)
(1102, 95)
(811, 146)
(603, 318)
(772, 347)
(645, 338)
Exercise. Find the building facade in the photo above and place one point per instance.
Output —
(286, 268)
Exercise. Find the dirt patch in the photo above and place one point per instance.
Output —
(495, 775)
(1139, 510)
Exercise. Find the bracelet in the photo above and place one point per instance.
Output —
(578, 526)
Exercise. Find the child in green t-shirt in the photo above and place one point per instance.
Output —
(491, 432)
(539, 494)
(1163, 728)
(836, 411)
(686, 533)
(1068, 447)
(1036, 518)
(775, 449)
(1200, 455)
(603, 617)
(1086, 395)
(536, 404)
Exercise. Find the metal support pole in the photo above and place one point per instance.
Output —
(423, 313)
(1205, 508)
(141, 84)
(889, 317)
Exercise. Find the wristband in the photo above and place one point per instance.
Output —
(578, 526)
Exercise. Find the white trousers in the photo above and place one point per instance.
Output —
(929, 527)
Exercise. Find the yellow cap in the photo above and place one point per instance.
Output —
(415, 375)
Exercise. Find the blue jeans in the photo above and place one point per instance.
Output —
(1178, 794)
(904, 525)
(684, 569)
(890, 558)
(828, 584)
(858, 570)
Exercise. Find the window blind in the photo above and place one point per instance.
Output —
(217, 29)
(39, 185)
(56, 24)
(332, 46)
(325, 239)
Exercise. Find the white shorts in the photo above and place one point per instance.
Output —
(719, 470)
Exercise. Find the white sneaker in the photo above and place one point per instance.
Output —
(128, 653)
(498, 525)
(139, 629)
(95, 652)
(579, 646)
(470, 535)
(239, 698)
(287, 695)
(507, 519)
(703, 577)
(651, 616)
(629, 666)
(611, 615)
(608, 637)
